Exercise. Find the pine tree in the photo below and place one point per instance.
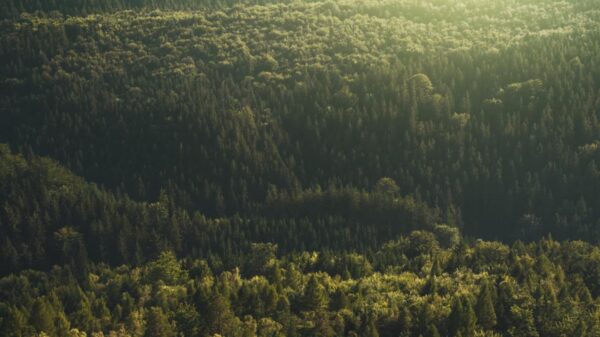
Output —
(455, 319)
(9, 257)
(83, 318)
(315, 297)
(462, 318)
(275, 275)
(218, 316)
(339, 300)
(523, 323)
(62, 324)
(486, 315)
(14, 324)
(431, 286)
(405, 321)
(548, 309)
(157, 324)
(270, 298)
(166, 269)
(581, 330)
(42, 317)
(187, 320)
(432, 331)
(506, 299)
(322, 326)
(369, 328)
(436, 269)
(469, 320)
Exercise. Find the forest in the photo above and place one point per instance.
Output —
(300, 168)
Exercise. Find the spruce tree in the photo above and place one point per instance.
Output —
(432, 331)
(14, 324)
(322, 327)
(43, 316)
(486, 315)
(462, 318)
(469, 319)
(405, 321)
(455, 319)
(369, 328)
(339, 300)
(315, 297)
(581, 330)
(158, 325)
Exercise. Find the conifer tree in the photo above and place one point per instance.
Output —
(339, 300)
(315, 296)
(581, 330)
(405, 321)
(369, 327)
(322, 327)
(43, 316)
(486, 314)
(469, 320)
(158, 325)
(455, 321)
(219, 317)
(432, 331)
(523, 323)
(462, 318)
(14, 323)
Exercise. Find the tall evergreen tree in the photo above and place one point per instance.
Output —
(158, 325)
(315, 297)
(486, 314)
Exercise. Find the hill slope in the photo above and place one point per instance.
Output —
(49, 216)
(486, 110)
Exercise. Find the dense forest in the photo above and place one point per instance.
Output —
(419, 285)
(300, 168)
(496, 128)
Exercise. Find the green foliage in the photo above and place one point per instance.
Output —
(166, 269)
(272, 137)
(46, 197)
(386, 186)
(524, 325)
(218, 317)
(157, 324)
(262, 256)
(423, 86)
(486, 314)
(466, 302)
(447, 236)
(487, 118)
(13, 323)
(462, 318)
(315, 297)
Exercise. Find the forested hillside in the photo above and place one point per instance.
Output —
(300, 168)
(486, 110)
(414, 286)
(51, 217)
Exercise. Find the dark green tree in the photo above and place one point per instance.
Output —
(462, 318)
(486, 314)
(13, 323)
(158, 324)
(43, 317)
(315, 297)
